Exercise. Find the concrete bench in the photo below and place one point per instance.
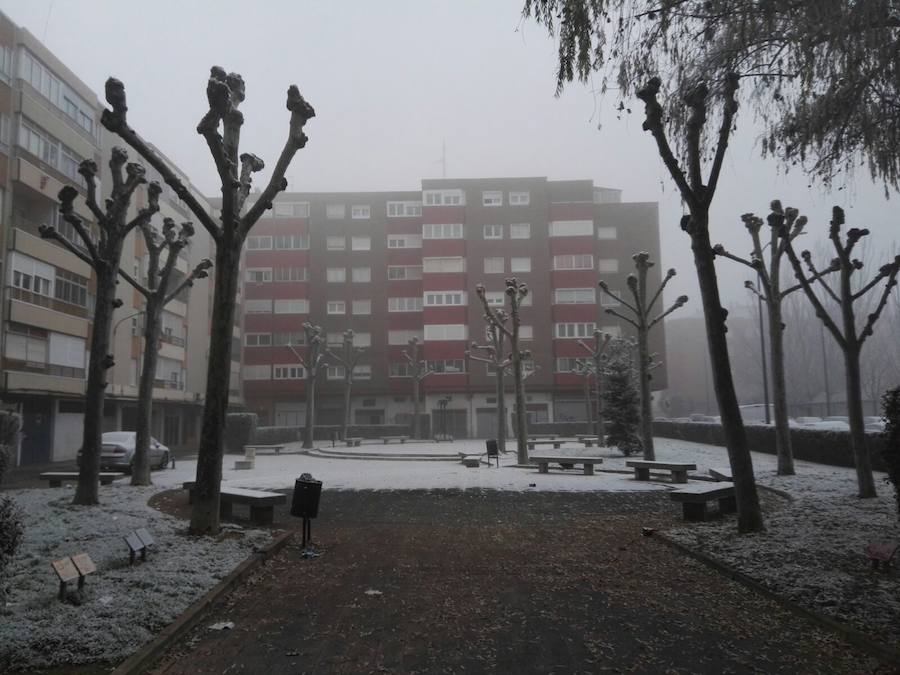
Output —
(566, 462)
(57, 478)
(252, 450)
(720, 473)
(353, 441)
(588, 441)
(532, 442)
(642, 469)
(388, 439)
(694, 499)
(262, 504)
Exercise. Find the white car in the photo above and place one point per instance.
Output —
(117, 451)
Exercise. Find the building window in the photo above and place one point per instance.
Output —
(335, 372)
(288, 338)
(362, 372)
(362, 275)
(520, 231)
(360, 212)
(288, 372)
(493, 232)
(404, 272)
(70, 288)
(519, 198)
(442, 231)
(405, 304)
(573, 296)
(291, 209)
(446, 332)
(361, 243)
(437, 265)
(336, 307)
(289, 274)
(520, 264)
(404, 209)
(336, 243)
(290, 242)
(573, 330)
(362, 307)
(607, 265)
(526, 332)
(257, 339)
(571, 228)
(258, 275)
(259, 243)
(335, 211)
(492, 198)
(257, 372)
(402, 337)
(292, 306)
(446, 366)
(445, 299)
(495, 298)
(444, 198)
(607, 232)
(494, 265)
(404, 241)
(334, 339)
(607, 301)
(362, 339)
(567, 364)
(401, 369)
(258, 306)
(573, 262)
(335, 275)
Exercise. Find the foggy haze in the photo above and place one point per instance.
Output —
(390, 82)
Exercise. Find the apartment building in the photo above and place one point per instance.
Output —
(396, 265)
(49, 123)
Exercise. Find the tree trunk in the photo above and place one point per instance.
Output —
(599, 426)
(588, 409)
(348, 387)
(521, 414)
(501, 411)
(861, 459)
(87, 491)
(309, 429)
(416, 421)
(140, 470)
(646, 401)
(205, 511)
(779, 389)
(749, 513)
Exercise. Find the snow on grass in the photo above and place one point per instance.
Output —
(124, 606)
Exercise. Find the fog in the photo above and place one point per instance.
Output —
(390, 82)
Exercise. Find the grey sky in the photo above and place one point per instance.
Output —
(391, 80)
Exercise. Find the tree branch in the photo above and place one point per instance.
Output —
(892, 270)
(621, 316)
(605, 288)
(729, 109)
(678, 303)
(138, 286)
(48, 232)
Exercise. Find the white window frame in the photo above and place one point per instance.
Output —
(258, 275)
(257, 306)
(574, 291)
(573, 261)
(572, 228)
(336, 275)
(441, 332)
(492, 232)
(445, 299)
(447, 265)
(361, 307)
(405, 304)
(520, 265)
(335, 211)
(361, 275)
(608, 265)
(288, 371)
(492, 198)
(443, 231)
(518, 233)
(253, 340)
(409, 272)
(336, 307)
(403, 336)
(573, 330)
(259, 242)
(607, 232)
(403, 241)
(331, 243)
(403, 209)
(360, 212)
(519, 198)
(361, 243)
(292, 306)
(256, 372)
(448, 197)
(494, 265)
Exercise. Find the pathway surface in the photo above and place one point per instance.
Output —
(479, 581)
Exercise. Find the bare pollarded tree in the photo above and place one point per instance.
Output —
(514, 293)
(772, 294)
(584, 368)
(224, 93)
(104, 257)
(495, 356)
(418, 371)
(348, 357)
(313, 364)
(849, 337)
(641, 310)
(157, 295)
(597, 355)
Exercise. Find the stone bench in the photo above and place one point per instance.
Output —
(262, 504)
(642, 469)
(588, 441)
(252, 450)
(721, 473)
(694, 499)
(532, 442)
(57, 478)
(353, 441)
(566, 462)
(388, 439)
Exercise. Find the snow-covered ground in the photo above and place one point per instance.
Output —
(123, 606)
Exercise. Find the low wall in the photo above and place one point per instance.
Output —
(814, 445)
(559, 428)
(270, 435)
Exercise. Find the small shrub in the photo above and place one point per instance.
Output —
(621, 401)
(274, 435)
(239, 430)
(891, 451)
(10, 527)
(10, 424)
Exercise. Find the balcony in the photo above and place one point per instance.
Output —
(32, 309)
(26, 239)
(45, 184)
(27, 382)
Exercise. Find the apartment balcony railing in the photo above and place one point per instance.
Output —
(33, 298)
(43, 368)
(169, 384)
(172, 340)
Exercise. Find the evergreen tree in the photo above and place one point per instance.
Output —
(891, 453)
(621, 400)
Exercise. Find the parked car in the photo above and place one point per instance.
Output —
(826, 425)
(874, 424)
(806, 421)
(117, 451)
(837, 418)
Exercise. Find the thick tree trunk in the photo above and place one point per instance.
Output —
(501, 411)
(779, 390)
(599, 426)
(348, 387)
(140, 470)
(205, 511)
(749, 513)
(416, 425)
(309, 429)
(864, 478)
(521, 413)
(646, 400)
(87, 491)
(588, 409)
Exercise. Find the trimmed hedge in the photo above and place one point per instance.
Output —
(239, 430)
(559, 428)
(273, 435)
(814, 445)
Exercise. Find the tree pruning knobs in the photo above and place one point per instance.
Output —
(681, 301)
(602, 284)
(632, 281)
(749, 285)
(479, 290)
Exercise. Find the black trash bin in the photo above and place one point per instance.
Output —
(493, 450)
(307, 492)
